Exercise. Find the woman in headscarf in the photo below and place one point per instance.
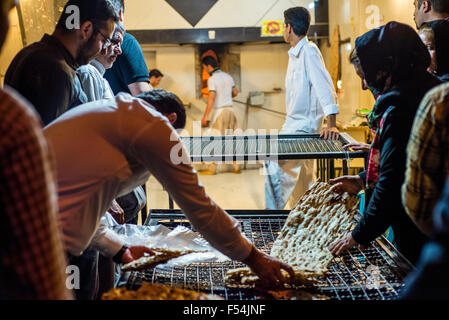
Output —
(394, 65)
(435, 35)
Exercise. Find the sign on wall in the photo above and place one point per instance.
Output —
(272, 28)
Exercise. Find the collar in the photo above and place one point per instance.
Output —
(215, 70)
(97, 64)
(55, 43)
(294, 51)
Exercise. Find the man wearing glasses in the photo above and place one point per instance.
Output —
(91, 75)
(45, 72)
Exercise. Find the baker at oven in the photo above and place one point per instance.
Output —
(105, 149)
(393, 60)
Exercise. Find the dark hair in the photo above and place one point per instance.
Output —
(299, 19)
(156, 73)
(439, 6)
(96, 11)
(166, 103)
(210, 61)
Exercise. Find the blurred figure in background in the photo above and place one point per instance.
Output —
(435, 35)
(155, 77)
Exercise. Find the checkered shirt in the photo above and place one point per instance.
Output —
(32, 260)
(427, 158)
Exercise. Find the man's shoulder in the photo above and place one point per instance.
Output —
(129, 44)
(87, 70)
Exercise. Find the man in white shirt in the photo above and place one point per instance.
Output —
(105, 149)
(310, 95)
(94, 85)
(219, 114)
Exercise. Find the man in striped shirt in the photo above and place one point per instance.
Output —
(32, 260)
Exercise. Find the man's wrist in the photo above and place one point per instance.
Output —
(119, 255)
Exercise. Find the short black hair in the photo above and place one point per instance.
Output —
(166, 102)
(299, 19)
(210, 61)
(96, 11)
(439, 6)
(155, 73)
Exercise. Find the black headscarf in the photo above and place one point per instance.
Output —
(441, 37)
(394, 49)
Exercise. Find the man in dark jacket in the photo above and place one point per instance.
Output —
(44, 72)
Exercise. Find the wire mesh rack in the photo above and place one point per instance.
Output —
(376, 273)
(268, 147)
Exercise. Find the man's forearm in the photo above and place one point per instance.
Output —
(210, 104)
(332, 121)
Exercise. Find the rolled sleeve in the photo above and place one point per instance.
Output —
(106, 241)
(321, 81)
(331, 109)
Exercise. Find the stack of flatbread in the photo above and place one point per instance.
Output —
(148, 291)
(320, 217)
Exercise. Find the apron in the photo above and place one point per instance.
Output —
(286, 181)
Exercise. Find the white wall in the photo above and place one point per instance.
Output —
(355, 17)
(158, 14)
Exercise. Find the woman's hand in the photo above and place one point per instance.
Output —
(358, 147)
(343, 244)
(349, 184)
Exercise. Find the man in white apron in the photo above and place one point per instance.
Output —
(219, 106)
(310, 95)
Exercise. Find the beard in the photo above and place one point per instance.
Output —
(87, 51)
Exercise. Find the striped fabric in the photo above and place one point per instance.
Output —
(32, 260)
(427, 158)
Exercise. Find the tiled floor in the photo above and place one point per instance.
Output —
(228, 190)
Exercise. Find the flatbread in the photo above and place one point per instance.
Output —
(161, 256)
(296, 295)
(320, 217)
(245, 278)
(152, 291)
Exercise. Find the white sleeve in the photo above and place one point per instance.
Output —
(321, 81)
(107, 90)
(165, 157)
(211, 84)
(106, 241)
(87, 82)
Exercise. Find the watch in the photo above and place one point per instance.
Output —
(118, 256)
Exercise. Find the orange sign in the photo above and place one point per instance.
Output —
(272, 28)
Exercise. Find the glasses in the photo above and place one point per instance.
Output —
(107, 40)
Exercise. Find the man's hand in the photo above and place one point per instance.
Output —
(349, 184)
(343, 244)
(331, 133)
(117, 212)
(204, 122)
(358, 146)
(135, 252)
(267, 268)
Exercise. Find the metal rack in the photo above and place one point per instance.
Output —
(268, 147)
(374, 274)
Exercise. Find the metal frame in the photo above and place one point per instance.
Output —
(348, 277)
